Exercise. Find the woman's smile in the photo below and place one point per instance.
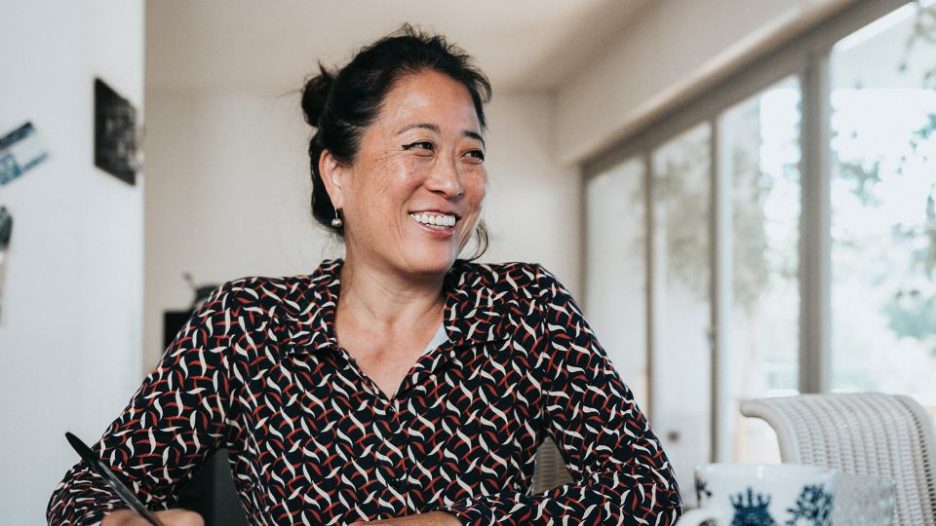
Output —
(436, 223)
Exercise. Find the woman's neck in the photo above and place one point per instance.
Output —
(385, 299)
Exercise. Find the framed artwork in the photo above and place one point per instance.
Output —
(115, 133)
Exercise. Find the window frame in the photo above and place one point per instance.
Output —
(805, 56)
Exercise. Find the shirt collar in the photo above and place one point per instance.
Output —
(472, 315)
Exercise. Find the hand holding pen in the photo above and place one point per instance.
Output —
(137, 513)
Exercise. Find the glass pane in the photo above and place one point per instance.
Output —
(760, 137)
(681, 381)
(615, 265)
(883, 212)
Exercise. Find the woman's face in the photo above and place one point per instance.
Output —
(413, 195)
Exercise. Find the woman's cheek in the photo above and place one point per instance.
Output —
(401, 172)
(413, 163)
(478, 181)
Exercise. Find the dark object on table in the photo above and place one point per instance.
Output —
(201, 291)
(115, 133)
(211, 491)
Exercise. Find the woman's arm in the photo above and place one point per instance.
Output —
(171, 425)
(621, 474)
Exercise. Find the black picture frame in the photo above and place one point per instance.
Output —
(115, 136)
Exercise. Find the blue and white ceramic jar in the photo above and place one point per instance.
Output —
(762, 495)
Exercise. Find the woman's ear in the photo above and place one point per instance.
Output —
(334, 176)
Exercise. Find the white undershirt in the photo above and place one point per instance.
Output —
(440, 337)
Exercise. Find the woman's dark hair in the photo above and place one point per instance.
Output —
(341, 104)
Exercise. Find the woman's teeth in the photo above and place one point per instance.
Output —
(434, 220)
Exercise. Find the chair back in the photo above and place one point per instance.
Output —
(549, 469)
(874, 434)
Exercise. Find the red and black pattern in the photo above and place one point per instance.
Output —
(312, 440)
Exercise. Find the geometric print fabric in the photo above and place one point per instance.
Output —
(312, 440)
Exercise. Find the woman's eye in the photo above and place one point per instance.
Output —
(477, 154)
(419, 145)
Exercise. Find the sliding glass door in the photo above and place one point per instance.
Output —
(759, 163)
(681, 380)
(616, 265)
(883, 187)
(775, 235)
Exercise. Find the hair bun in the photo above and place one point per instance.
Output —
(315, 95)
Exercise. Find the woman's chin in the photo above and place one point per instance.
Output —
(430, 262)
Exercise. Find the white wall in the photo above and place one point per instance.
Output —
(669, 51)
(70, 334)
(533, 203)
(228, 193)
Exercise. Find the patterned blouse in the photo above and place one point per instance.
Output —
(313, 440)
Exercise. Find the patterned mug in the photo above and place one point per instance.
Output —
(762, 495)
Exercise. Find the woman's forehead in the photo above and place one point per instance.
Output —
(429, 97)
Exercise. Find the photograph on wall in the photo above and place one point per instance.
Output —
(115, 133)
(20, 151)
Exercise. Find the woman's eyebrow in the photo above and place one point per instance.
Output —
(475, 135)
(435, 128)
(424, 125)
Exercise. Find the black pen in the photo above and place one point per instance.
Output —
(119, 487)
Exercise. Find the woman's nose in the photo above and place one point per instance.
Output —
(446, 179)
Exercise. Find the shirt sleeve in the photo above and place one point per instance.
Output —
(172, 424)
(621, 474)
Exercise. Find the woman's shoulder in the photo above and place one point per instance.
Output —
(515, 275)
(249, 291)
(289, 293)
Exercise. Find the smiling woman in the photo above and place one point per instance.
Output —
(412, 195)
(401, 385)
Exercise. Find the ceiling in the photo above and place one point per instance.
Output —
(255, 45)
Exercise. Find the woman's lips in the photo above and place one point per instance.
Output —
(434, 218)
(436, 224)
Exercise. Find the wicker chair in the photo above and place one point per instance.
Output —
(864, 433)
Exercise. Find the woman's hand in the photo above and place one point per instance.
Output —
(436, 518)
(176, 517)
